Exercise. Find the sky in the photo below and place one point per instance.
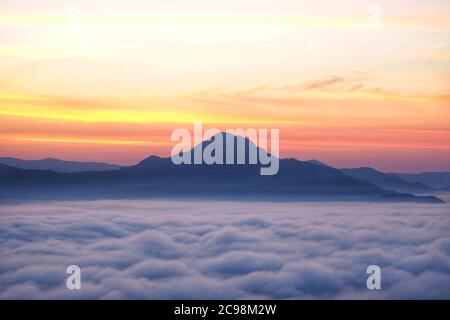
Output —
(360, 83)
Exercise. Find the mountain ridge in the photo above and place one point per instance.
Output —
(58, 165)
(438, 180)
(158, 177)
(386, 181)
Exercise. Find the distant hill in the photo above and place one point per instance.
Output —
(58, 165)
(156, 177)
(319, 163)
(387, 181)
(437, 180)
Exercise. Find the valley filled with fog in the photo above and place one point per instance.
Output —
(150, 249)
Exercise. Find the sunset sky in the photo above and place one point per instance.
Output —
(365, 83)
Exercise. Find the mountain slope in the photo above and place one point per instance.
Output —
(436, 180)
(57, 165)
(386, 181)
(159, 177)
(318, 163)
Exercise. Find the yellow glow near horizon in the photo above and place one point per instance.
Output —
(105, 75)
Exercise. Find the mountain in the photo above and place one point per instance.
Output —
(58, 165)
(156, 177)
(318, 163)
(436, 180)
(386, 181)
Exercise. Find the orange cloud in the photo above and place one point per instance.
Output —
(322, 117)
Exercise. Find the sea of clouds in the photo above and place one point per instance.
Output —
(224, 250)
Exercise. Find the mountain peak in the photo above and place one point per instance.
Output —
(241, 148)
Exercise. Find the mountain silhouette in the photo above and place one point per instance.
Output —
(157, 177)
(318, 163)
(57, 165)
(230, 143)
(438, 180)
(387, 181)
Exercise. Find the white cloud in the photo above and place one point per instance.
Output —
(188, 249)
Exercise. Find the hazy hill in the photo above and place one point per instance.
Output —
(58, 165)
(159, 177)
(387, 181)
(433, 179)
